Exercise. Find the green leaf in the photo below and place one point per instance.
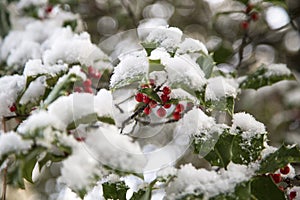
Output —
(138, 195)
(221, 153)
(280, 158)
(151, 94)
(223, 53)
(264, 188)
(71, 23)
(107, 120)
(115, 191)
(155, 65)
(258, 79)
(87, 119)
(29, 162)
(231, 148)
(245, 151)
(206, 63)
(149, 47)
(223, 104)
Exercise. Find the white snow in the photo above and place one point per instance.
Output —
(219, 87)
(248, 125)
(12, 142)
(267, 151)
(10, 87)
(114, 149)
(40, 119)
(277, 70)
(103, 103)
(190, 180)
(35, 67)
(190, 45)
(130, 67)
(27, 3)
(35, 90)
(182, 70)
(165, 37)
(95, 193)
(292, 97)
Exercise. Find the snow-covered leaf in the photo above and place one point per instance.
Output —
(280, 158)
(115, 191)
(267, 75)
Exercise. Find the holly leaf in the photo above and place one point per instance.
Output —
(280, 158)
(115, 191)
(151, 94)
(260, 79)
(149, 47)
(87, 119)
(232, 148)
(206, 63)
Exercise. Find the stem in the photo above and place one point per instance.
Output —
(241, 50)
(4, 186)
(130, 12)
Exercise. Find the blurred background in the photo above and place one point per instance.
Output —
(271, 36)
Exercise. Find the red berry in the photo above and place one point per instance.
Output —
(48, 9)
(164, 98)
(249, 8)
(166, 90)
(80, 139)
(179, 108)
(167, 105)
(245, 25)
(77, 89)
(91, 70)
(146, 99)
(161, 112)
(176, 115)
(254, 16)
(152, 104)
(292, 195)
(276, 178)
(152, 82)
(13, 108)
(96, 75)
(88, 90)
(139, 97)
(87, 83)
(147, 110)
(285, 170)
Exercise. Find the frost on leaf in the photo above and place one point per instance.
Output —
(266, 75)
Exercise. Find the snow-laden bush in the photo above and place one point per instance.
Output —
(163, 103)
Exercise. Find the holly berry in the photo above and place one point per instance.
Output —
(245, 25)
(254, 16)
(146, 99)
(96, 75)
(179, 108)
(276, 178)
(80, 139)
(161, 112)
(13, 108)
(77, 89)
(87, 83)
(164, 98)
(91, 70)
(152, 82)
(147, 110)
(48, 9)
(166, 90)
(167, 105)
(145, 86)
(139, 97)
(176, 115)
(285, 170)
(88, 90)
(292, 195)
(152, 104)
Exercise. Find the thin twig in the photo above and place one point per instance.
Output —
(130, 12)
(241, 50)
(4, 184)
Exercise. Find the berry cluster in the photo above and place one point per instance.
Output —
(165, 102)
(277, 178)
(251, 16)
(86, 86)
